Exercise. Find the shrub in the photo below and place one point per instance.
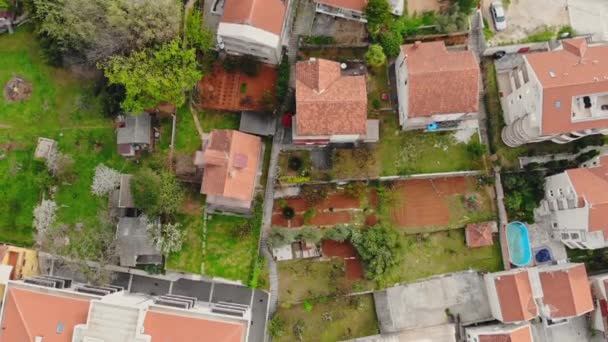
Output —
(288, 213)
(276, 327)
(307, 305)
(476, 149)
(338, 233)
(375, 55)
(44, 216)
(310, 234)
(309, 214)
(283, 80)
(314, 194)
(377, 247)
(376, 104)
(156, 194)
(295, 163)
(105, 180)
(279, 237)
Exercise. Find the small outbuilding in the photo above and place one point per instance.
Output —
(135, 134)
(258, 123)
(135, 247)
(45, 148)
(480, 234)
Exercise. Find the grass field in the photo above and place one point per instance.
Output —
(63, 107)
(309, 279)
(328, 320)
(425, 255)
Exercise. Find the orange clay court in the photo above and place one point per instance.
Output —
(425, 202)
(235, 91)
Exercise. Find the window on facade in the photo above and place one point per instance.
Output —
(551, 193)
(565, 236)
(554, 224)
(574, 236)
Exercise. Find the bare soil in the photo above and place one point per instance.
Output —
(17, 89)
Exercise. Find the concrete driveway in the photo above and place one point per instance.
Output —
(525, 17)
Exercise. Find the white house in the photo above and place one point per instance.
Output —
(560, 95)
(436, 86)
(253, 27)
(576, 206)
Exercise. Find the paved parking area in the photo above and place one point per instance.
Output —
(150, 286)
(525, 17)
(193, 288)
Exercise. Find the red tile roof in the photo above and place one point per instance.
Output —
(328, 103)
(267, 15)
(523, 334)
(231, 164)
(357, 5)
(566, 291)
(28, 314)
(441, 81)
(479, 234)
(591, 184)
(574, 71)
(515, 297)
(31, 313)
(172, 327)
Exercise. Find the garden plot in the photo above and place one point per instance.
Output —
(441, 203)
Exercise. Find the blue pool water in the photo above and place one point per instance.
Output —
(518, 243)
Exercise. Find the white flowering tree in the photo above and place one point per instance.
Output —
(167, 237)
(45, 215)
(106, 179)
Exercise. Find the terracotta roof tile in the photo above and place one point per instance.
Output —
(591, 184)
(515, 297)
(357, 5)
(24, 320)
(479, 234)
(267, 15)
(564, 74)
(441, 81)
(328, 103)
(523, 334)
(174, 327)
(566, 291)
(221, 175)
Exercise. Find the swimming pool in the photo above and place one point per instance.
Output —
(518, 243)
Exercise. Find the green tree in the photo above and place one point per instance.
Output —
(375, 55)
(154, 76)
(310, 234)
(391, 41)
(197, 35)
(94, 30)
(377, 12)
(280, 237)
(156, 194)
(377, 247)
(338, 233)
(476, 149)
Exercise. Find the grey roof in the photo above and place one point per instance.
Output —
(133, 240)
(258, 123)
(424, 303)
(137, 130)
(125, 197)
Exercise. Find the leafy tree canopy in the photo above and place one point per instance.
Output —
(377, 247)
(375, 55)
(156, 194)
(94, 30)
(197, 35)
(154, 76)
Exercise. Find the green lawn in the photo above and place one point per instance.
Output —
(190, 258)
(425, 255)
(326, 320)
(378, 84)
(412, 152)
(62, 107)
(230, 254)
(309, 279)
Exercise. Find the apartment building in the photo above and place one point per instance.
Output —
(576, 206)
(560, 95)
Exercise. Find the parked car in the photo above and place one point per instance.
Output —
(498, 15)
